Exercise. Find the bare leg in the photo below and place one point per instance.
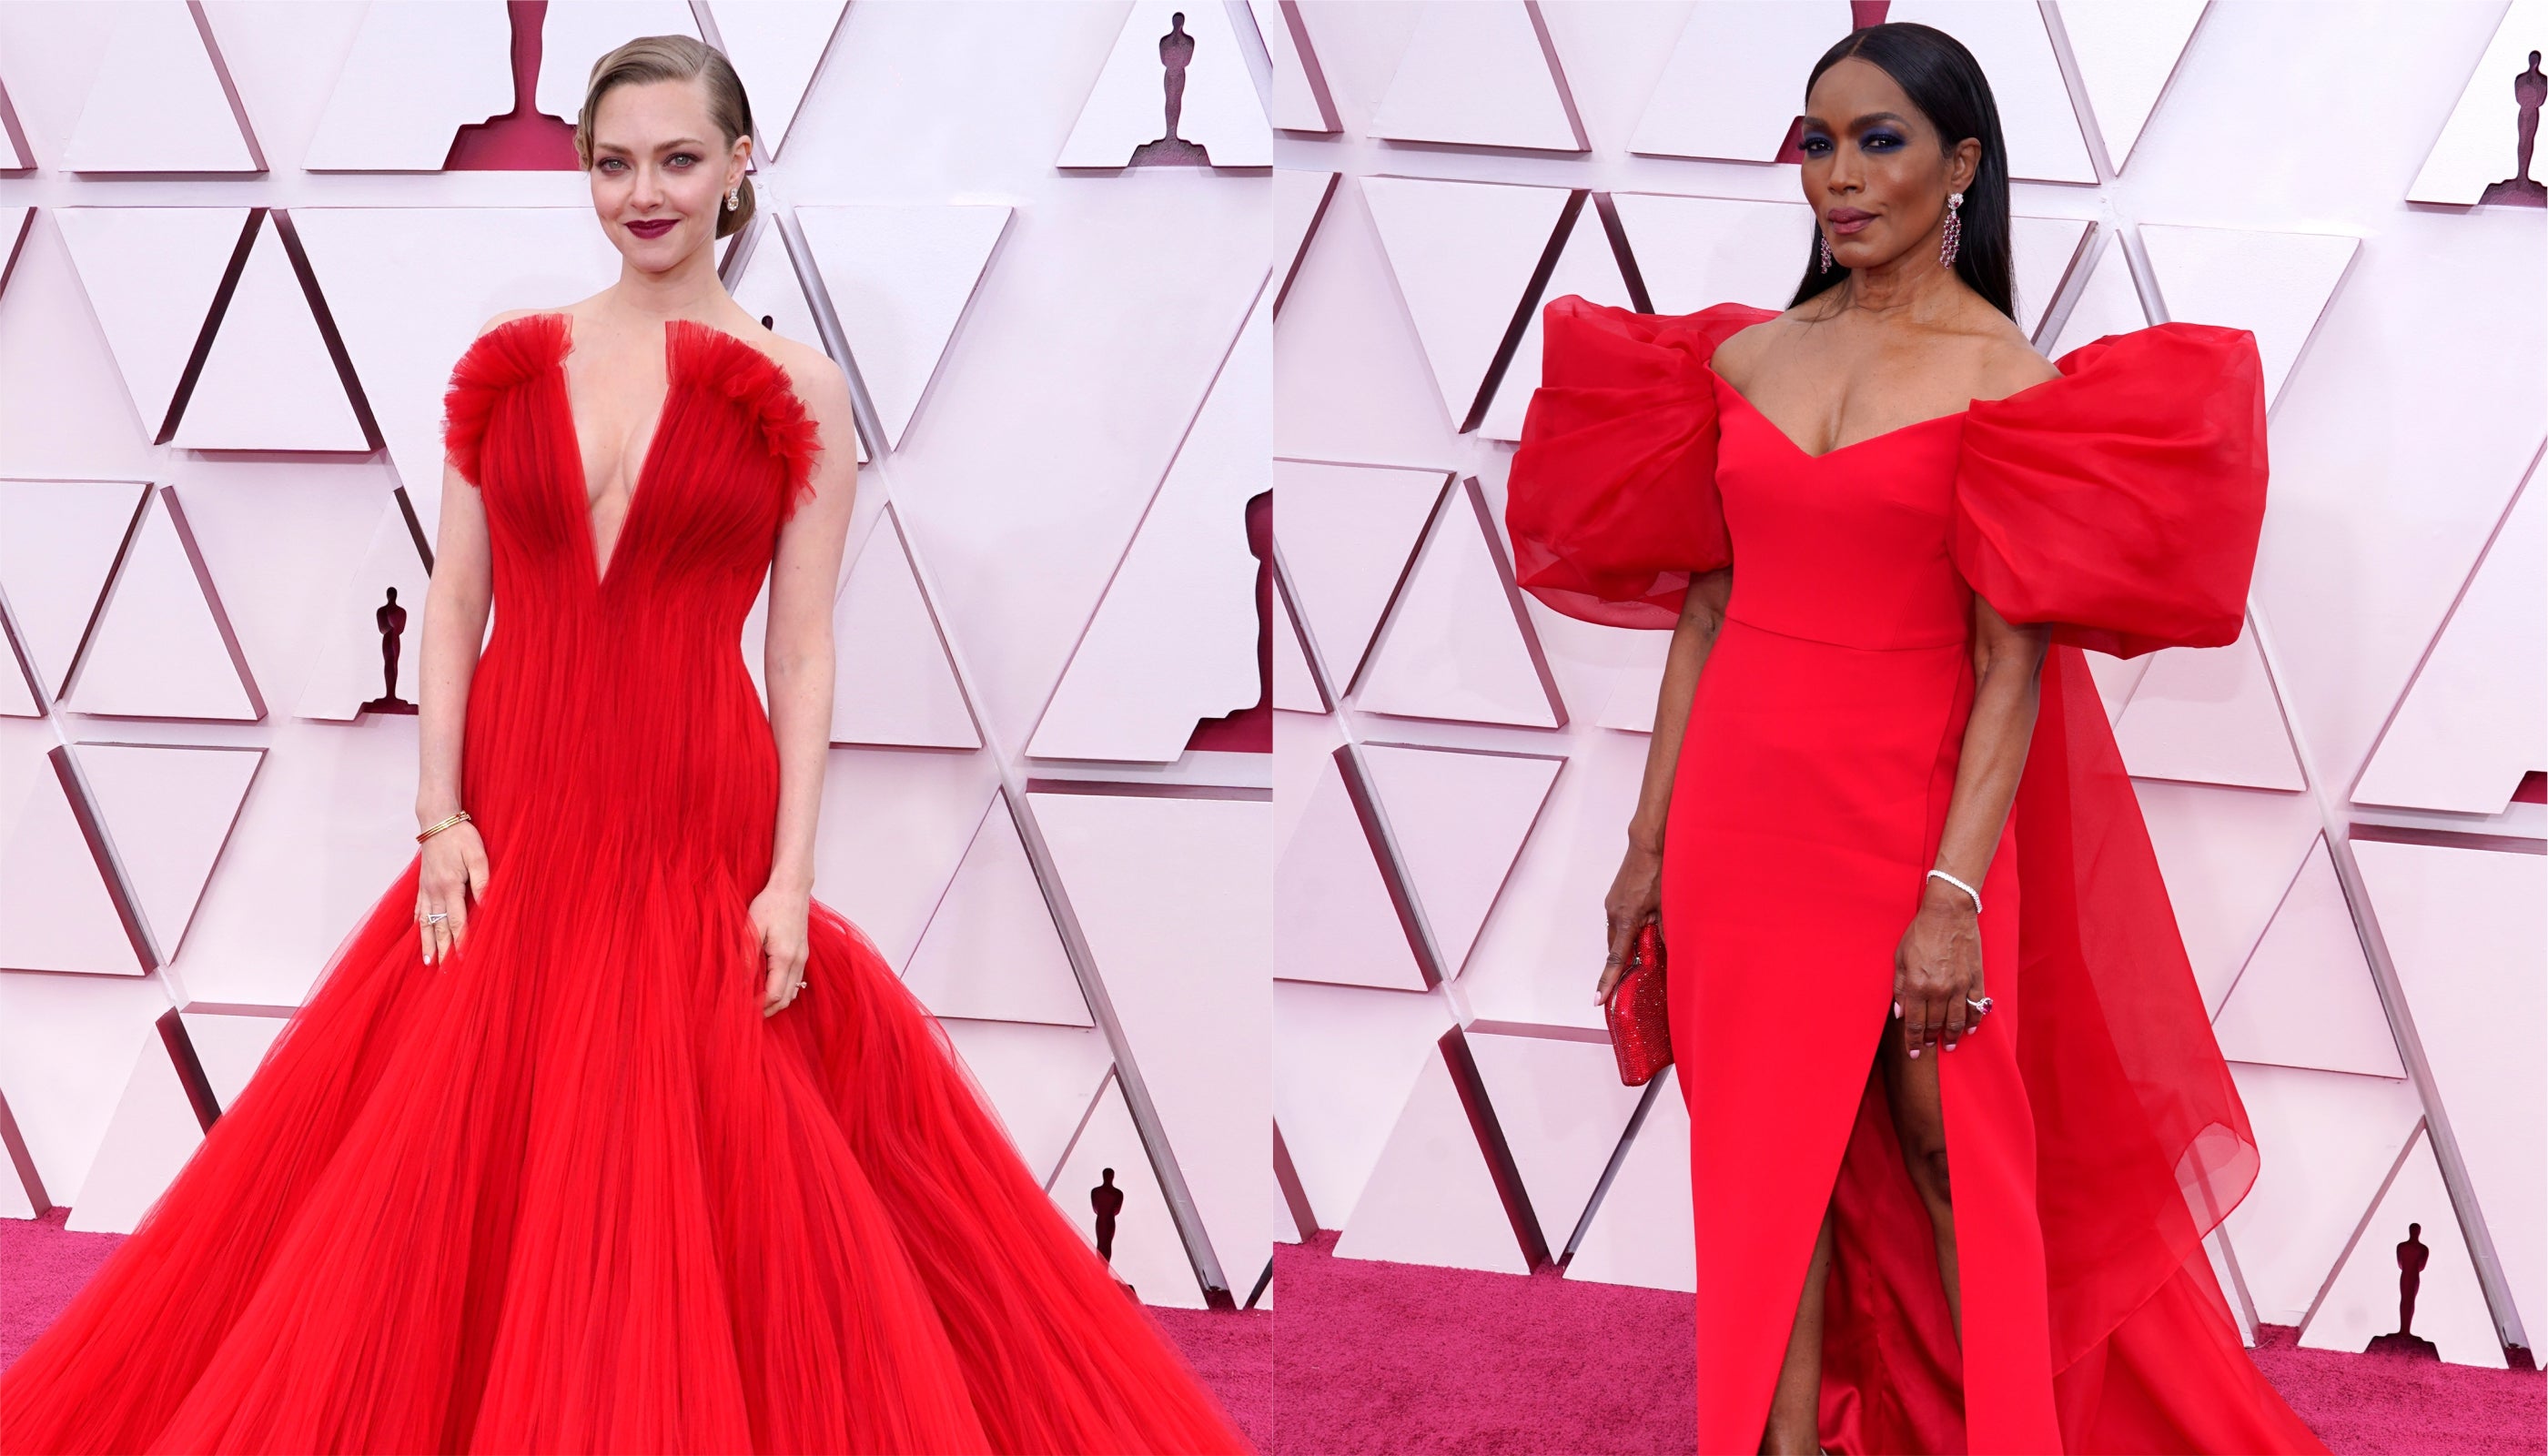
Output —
(1794, 1406)
(1920, 1124)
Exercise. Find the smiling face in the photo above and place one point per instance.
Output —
(1875, 171)
(661, 170)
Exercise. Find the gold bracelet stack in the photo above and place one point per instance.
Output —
(431, 829)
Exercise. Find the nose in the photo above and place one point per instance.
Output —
(649, 189)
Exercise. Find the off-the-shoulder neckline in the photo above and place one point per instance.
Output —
(1707, 362)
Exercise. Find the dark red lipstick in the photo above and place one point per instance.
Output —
(653, 228)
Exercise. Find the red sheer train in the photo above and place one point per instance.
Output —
(2093, 1132)
(570, 1190)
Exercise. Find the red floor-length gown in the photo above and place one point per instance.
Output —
(570, 1190)
(2093, 1134)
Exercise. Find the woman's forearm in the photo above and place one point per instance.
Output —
(2006, 691)
(1702, 612)
(801, 721)
(455, 627)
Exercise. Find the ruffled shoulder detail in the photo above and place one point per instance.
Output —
(716, 361)
(1611, 501)
(2122, 501)
(495, 364)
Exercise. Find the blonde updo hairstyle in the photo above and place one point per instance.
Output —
(675, 59)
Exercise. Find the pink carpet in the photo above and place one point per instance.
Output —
(43, 1264)
(1405, 1358)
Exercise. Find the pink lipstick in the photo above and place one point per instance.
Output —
(1846, 221)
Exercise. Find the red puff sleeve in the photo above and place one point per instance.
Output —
(2122, 501)
(1612, 503)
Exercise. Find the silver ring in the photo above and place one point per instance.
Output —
(1983, 1004)
(437, 917)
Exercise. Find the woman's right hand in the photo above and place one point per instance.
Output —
(452, 878)
(1636, 896)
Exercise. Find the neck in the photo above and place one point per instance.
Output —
(687, 290)
(1912, 283)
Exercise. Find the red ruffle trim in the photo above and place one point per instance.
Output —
(715, 360)
(496, 363)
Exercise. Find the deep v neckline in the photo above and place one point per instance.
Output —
(1788, 440)
(599, 566)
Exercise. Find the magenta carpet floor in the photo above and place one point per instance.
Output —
(1406, 1359)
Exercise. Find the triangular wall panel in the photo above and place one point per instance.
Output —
(1562, 1108)
(151, 275)
(1337, 917)
(269, 382)
(1348, 535)
(574, 35)
(167, 810)
(2326, 1142)
(1480, 74)
(2468, 729)
(1220, 110)
(1464, 254)
(1458, 820)
(2126, 51)
(1431, 1198)
(894, 685)
(153, 1132)
(1149, 1254)
(2015, 50)
(1300, 202)
(2362, 1302)
(1173, 640)
(1695, 251)
(991, 952)
(1729, 89)
(899, 277)
(417, 73)
(1457, 645)
(776, 47)
(2275, 285)
(164, 647)
(1642, 1233)
(58, 905)
(1297, 689)
(2209, 715)
(2305, 997)
(160, 102)
(58, 541)
(1042, 1081)
(2110, 302)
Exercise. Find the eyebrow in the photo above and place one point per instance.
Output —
(1869, 119)
(689, 142)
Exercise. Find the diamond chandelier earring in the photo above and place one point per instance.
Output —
(733, 198)
(1822, 245)
(1954, 230)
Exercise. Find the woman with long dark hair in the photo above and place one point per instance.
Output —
(601, 1133)
(1959, 1124)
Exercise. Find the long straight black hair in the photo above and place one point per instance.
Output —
(1947, 84)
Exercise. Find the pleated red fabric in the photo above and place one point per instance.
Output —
(2094, 1136)
(569, 1190)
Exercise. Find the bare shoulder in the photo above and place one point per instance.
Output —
(2010, 363)
(509, 314)
(1738, 351)
(810, 372)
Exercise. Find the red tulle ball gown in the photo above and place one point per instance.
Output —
(2093, 1134)
(570, 1190)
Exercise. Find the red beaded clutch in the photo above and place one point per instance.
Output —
(1640, 1029)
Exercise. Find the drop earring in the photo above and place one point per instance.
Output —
(1822, 246)
(1954, 230)
(733, 198)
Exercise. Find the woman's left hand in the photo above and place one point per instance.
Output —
(1938, 970)
(779, 915)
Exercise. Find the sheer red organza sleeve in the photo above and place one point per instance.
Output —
(1612, 503)
(2121, 504)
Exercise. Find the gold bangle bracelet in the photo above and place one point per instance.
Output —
(432, 830)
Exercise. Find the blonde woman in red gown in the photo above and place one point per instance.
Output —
(600, 1133)
(1955, 1138)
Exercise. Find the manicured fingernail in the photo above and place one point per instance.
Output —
(1915, 1051)
(1951, 1046)
(1897, 1011)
